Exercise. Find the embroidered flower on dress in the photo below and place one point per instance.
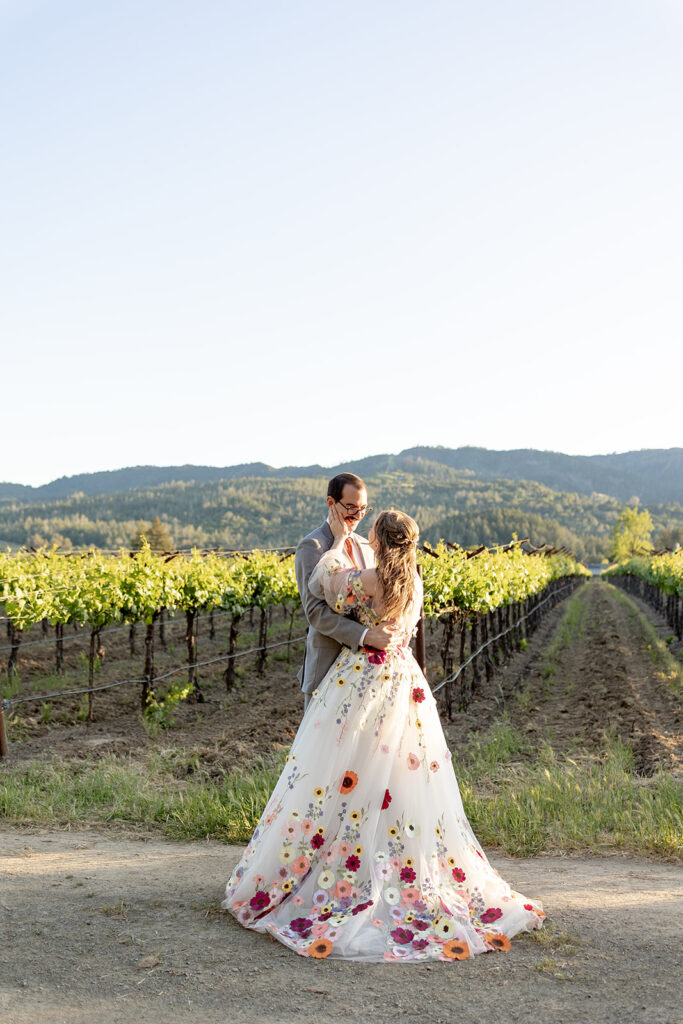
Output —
(320, 948)
(491, 914)
(349, 782)
(259, 901)
(418, 694)
(456, 949)
(387, 799)
(413, 761)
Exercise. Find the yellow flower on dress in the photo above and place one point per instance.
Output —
(355, 815)
(286, 886)
(341, 681)
(392, 831)
(317, 792)
(358, 667)
(358, 850)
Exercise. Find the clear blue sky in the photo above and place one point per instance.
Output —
(311, 231)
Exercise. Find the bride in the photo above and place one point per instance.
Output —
(363, 851)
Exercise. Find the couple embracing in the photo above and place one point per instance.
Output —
(363, 851)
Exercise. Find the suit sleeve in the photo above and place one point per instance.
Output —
(318, 613)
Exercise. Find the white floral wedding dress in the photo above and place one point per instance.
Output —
(363, 851)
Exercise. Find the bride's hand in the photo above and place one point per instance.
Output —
(338, 525)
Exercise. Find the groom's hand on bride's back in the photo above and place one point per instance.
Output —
(384, 638)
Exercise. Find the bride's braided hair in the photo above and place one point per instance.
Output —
(397, 535)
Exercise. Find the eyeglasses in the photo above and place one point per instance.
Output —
(356, 510)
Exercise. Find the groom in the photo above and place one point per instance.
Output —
(327, 630)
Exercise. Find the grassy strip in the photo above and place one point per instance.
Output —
(521, 806)
(570, 627)
(670, 669)
(555, 803)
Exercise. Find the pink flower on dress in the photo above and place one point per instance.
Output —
(307, 826)
(344, 849)
(319, 929)
(342, 888)
(413, 761)
(410, 894)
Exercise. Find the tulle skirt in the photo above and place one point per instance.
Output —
(363, 851)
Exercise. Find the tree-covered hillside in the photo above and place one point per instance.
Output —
(251, 512)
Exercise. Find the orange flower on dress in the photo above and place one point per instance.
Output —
(456, 949)
(301, 865)
(349, 782)
(320, 949)
(497, 940)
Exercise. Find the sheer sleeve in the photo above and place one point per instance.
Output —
(338, 585)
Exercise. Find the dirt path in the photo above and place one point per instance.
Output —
(106, 930)
(605, 677)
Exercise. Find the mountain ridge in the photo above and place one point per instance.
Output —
(649, 474)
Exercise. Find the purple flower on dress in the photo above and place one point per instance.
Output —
(259, 901)
(402, 935)
(491, 914)
(300, 924)
(420, 943)
(421, 925)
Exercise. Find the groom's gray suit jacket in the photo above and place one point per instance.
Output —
(327, 631)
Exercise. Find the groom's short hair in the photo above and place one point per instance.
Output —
(335, 488)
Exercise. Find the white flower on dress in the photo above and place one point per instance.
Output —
(392, 896)
(445, 927)
(326, 879)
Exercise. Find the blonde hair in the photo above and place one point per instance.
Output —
(397, 536)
